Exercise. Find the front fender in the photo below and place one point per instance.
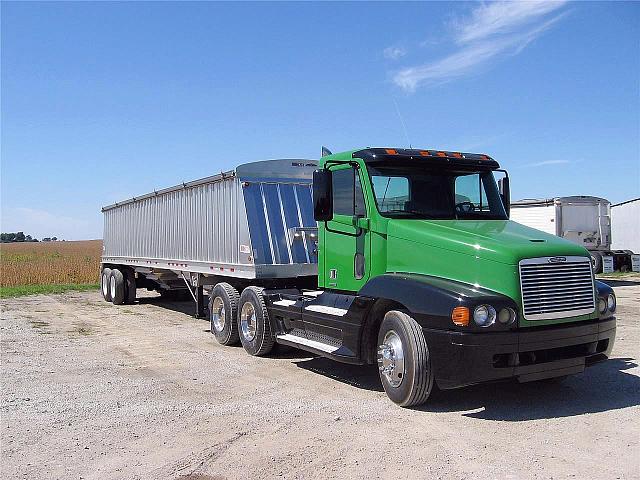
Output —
(430, 300)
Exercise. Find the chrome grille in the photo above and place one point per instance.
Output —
(556, 287)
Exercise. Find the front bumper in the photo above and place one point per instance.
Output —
(460, 358)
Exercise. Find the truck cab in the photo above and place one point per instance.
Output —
(421, 271)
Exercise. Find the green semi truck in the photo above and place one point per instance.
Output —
(419, 270)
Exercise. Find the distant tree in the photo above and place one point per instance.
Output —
(20, 237)
(28, 238)
(53, 239)
(46, 239)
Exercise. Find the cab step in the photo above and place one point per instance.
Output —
(315, 341)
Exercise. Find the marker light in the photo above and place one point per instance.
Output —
(611, 302)
(460, 316)
(390, 151)
(484, 315)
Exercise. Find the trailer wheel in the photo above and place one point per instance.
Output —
(223, 313)
(596, 258)
(117, 287)
(253, 319)
(105, 278)
(404, 361)
(130, 285)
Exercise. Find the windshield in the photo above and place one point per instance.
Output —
(403, 191)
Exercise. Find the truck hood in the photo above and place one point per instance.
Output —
(503, 241)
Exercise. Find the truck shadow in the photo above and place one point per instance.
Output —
(182, 306)
(602, 387)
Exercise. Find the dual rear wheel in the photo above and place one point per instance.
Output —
(241, 318)
(118, 286)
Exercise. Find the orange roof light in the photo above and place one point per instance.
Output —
(460, 316)
(441, 154)
(391, 151)
(424, 153)
(457, 155)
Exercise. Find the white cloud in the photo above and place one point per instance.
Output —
(496, 18)
(40, 223)
(394, 53)
(491, 31)
(547, 162)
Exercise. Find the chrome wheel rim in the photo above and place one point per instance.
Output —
(248, 321)
(112, 285)
(218, 314)
(391, 359)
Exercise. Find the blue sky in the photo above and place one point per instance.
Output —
(103, 101)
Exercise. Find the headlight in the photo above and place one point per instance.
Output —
(602, 305)
(611, 302)
(484, 315)
(506, 316)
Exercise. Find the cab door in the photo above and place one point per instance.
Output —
(347, 242)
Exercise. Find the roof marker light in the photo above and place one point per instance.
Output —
(424, 153)
(457, 155)
(441, 154)
(390, 151)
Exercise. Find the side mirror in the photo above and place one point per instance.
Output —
(322, 195)
(505, 193)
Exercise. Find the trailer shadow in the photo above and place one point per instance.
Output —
(603, 387)
(181, 306)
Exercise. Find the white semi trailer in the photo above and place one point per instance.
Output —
(581, 219)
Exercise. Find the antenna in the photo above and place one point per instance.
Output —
(404, 127)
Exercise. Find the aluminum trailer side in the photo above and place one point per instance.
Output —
(253, 223)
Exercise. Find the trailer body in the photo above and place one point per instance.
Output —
(625, 222)
(401, 257)
(255, 222)
(583, 220)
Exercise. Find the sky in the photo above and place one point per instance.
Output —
(104, 101)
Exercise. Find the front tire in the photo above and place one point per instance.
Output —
(223, 313)
(254, 326)
(104, 284)
(404, 361)
(596, 262)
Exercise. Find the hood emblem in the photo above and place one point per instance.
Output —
(557, 259)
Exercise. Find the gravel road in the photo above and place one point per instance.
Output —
(94, 391)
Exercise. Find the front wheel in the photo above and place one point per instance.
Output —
(403, 360)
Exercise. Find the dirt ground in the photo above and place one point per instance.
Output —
(94, 391)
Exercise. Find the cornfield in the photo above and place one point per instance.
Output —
(50, 263)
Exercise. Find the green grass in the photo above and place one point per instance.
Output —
(617, 275)
(19, 291)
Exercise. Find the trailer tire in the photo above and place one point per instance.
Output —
(404, 360)
(117, 287)
(223, 313)
(130, 285)
(105, 278)
(597, 262)
(253, 322)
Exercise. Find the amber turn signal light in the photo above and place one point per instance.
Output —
(460, 316)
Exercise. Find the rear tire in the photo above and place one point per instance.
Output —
(404, 361)
(253, 322)
(223, 314)
(130, 285)
(117, 287)
(105, 278)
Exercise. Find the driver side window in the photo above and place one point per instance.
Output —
(348, 198)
